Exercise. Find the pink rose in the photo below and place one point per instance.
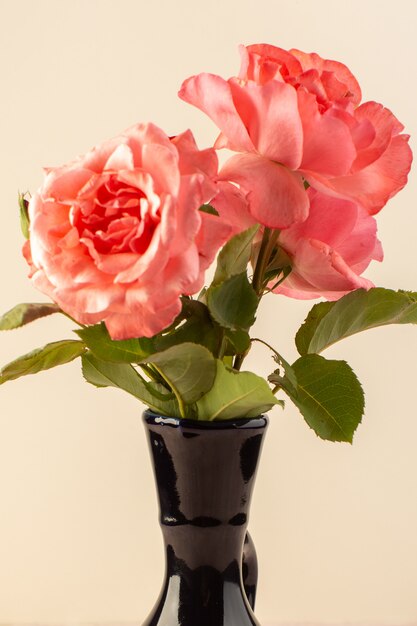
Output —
(117, 235)
(330, 250)
(295, 117)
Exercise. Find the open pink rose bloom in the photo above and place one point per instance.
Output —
(118, 235)
(295, 121)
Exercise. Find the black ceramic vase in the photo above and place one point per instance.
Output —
(204, 474)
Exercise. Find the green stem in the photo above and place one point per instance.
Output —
(181, 403)
(277, 354)
(261, 261)
(268, 242)
(154, 375)
(239, 360)
(221, 344)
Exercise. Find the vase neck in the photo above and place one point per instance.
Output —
(204, 478)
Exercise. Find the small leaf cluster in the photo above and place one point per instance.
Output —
(327, 392)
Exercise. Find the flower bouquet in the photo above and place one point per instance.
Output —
(120, 240)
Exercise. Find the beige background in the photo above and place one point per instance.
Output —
(335, 525)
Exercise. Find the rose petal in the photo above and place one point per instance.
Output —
(264, 61)
(192, 160)
(120, 159)
(385, 126)
(330, 220)
(140, 322)
(233, 207)
(147, 265)
(65, 186)
(213, 233)
(328, 145)
(276, 195)
(326, 67)
(163, 163)
(271, 117)
(187, 216)
(374, 185)
(323, 270)
(212, 95)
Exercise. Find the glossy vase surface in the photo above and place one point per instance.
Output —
(204, 474)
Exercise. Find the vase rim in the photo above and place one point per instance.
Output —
(150, 417)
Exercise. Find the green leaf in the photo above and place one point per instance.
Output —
(307, 330)
(238, 341)
(24, 313)
(24, 215)
(124, 376)
(235, 394)
(329, 396)
(198, 328)
(98, 340)
(329, 322)
(207, 208)
(234, 256)
(188, 368)
(233, 303)
(45, 358)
